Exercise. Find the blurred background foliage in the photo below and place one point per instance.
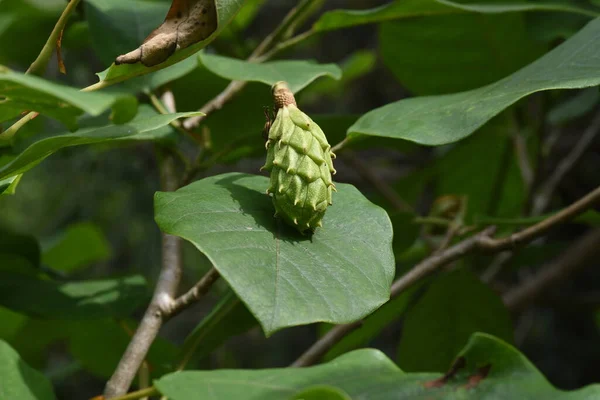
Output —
(90, 208)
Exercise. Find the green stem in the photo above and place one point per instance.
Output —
(282, 29)
(139, 394)
(285, 45)
(160, 107)
(8, 134)
(38, 67)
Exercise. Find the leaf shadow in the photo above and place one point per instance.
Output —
(259, 206)
(37, 385)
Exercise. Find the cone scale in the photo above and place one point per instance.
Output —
(299, 159)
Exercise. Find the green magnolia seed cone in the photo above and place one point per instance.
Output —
(300, 161)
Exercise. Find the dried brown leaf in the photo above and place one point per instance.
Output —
(187, 22)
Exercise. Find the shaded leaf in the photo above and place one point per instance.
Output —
(574, 107)
(435, 120)
(8, 186)
(448, 53)
(12, 322)
(228, 318)
(147, 83)
(18, 380)
(401, 9)
(519, 6)
(226, 10)
(283, 277)
(456, 305)
(71, 300)
(30, 93)
(355, 66)
(483, 168)
(372, 325)
(41, 18)
(406, 231)
(143, 127)
(368, 374)
(99, 345)
(22, 245)
(298, 74)
(79, 245)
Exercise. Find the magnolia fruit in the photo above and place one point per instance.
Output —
(299, 159)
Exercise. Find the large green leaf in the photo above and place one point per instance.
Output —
(73, 299)
(368, 374)
(456, 305)
(402, 9)
(149, 82)
(449, 53)
(283, 277)
(321, 392)
(21, 245)
(226, 10)
(18, 380)
(12, 322)
(228, 318)
(435, 120)
(146, 126)
(20, 92)
(484, 169)
(298, 74)
(76, 247)
(24, 19)
(481, 168)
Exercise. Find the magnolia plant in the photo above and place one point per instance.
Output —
(423, 258)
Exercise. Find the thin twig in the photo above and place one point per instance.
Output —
(435, 261)
(539, 229)
(281, 29)
(381, 185)
(195, 293)
(520, 146)
(285, 45)
(547, 189)
(324, 344)
(340, 145)
(38, 67)
(565, 265)
(215, 104)
(162, 300)
(166, 109)
(258, 55)
(421, 270)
